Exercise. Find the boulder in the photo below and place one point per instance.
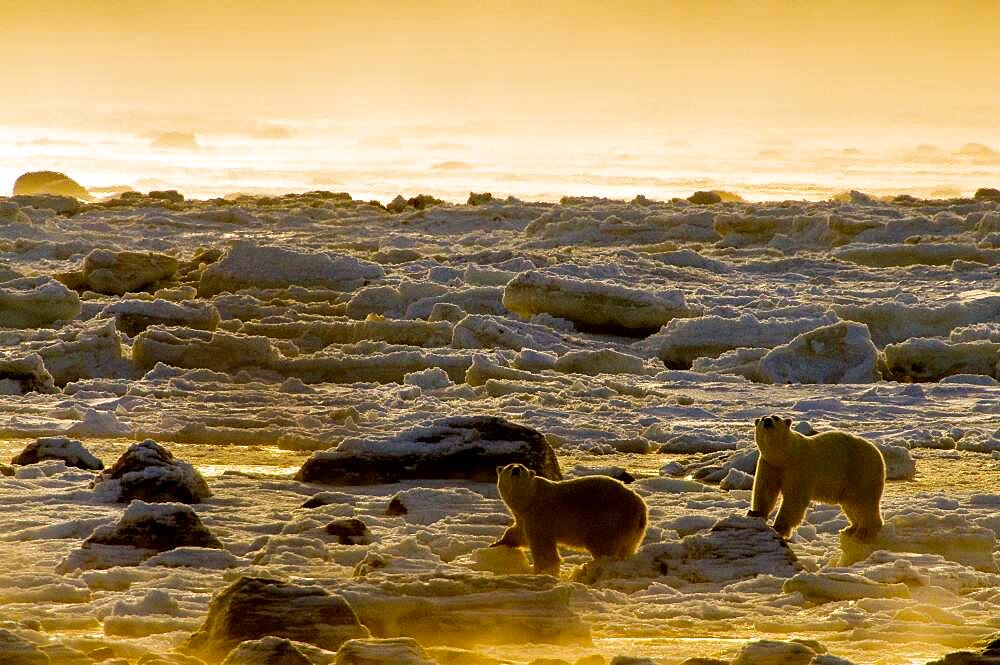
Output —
(251, 608)
(155, 526)
(267, 651)
(392, 651)
(349, 531)
(774, 652)
(15, 650)
(142, 532)
(70, 451)
(461, 448)
(987, 651)
(149, 472)
(838, 353)
(31, 302)
(705, 198)
(50, 182)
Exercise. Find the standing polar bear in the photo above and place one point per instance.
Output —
(595, 513)
(834, 467)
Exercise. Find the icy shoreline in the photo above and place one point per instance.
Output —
(643, 335)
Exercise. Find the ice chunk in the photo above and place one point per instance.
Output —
(465, 609)
(832, 586)
(605, 361)
(21, 374)
(682, 340)
(773, 652)
(894, 321)
(30, 302)
(949, 535)
(117, 273)
(185, 347)
(926, 359)
(906, 254)
(134, 316)
(248, 265)
(735, 548)
(838, 353)
(594, 303)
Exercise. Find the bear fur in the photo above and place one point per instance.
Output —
(833, 467)
(595, 513)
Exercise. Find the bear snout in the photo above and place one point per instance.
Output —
(767, 421)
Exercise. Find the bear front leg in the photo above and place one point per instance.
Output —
(766, 487)
(544, 552)
(512, 537)
(794, 503)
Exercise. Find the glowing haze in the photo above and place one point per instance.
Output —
(769, 99)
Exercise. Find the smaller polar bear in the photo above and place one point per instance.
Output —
(834, 467)
(595, 513)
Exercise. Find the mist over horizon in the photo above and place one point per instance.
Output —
(768, 99)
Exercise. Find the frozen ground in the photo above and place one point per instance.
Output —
(243, 335)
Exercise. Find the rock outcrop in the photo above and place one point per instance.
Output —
(466, 448)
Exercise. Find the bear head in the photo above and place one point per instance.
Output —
(516, 484)
(771, 436)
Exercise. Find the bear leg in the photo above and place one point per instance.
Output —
(766, 487)
(866, 520)
(512, 537)
(794, 503)
(544, 552)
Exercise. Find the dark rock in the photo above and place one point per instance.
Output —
(382, 652)
(171, 195)
(459, 448)
(480, 199)
(149, 472)
(705, 198)
(70, 451)
(987, 194)
(50, 182)
(704, 661)
(267, 651)
(396, 507)
(16, 650)
(987, 653)
(350, 531)
(251, 608)
(158, 527)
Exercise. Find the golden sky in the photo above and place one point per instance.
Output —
(764, 62)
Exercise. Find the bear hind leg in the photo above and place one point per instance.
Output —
(865, 520)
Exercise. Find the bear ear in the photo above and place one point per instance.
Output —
(499, 470)
(756, 421)
(531, 474)
(788, 422)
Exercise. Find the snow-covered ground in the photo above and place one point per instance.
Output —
(244, 335)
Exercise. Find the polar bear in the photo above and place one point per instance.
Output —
(834, 466)
(595, 513)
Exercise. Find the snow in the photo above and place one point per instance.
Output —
(634, 337)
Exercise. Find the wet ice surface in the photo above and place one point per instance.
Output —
(639, 335)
